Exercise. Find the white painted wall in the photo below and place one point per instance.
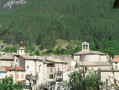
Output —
(105, 75)
(103, 58)
(77, 58)
(13, 74)
(6, 63)
(31, 64)
(40, 72)
(116, 65)
(16, 61)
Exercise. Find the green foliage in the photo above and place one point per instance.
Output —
(84, 80)
(31, 53)
(62, 19)
(37, 52)
(10, 49)
(31, 48)
(8, 84)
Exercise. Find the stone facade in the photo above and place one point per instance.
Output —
(46, 69)
(91, 59)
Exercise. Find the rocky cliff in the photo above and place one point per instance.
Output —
(10, 3)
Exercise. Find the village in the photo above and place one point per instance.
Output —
(47, 71)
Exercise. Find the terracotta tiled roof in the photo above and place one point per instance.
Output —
(116, 58)
(9, 68)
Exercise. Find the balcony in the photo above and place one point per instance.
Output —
(59, 79)
(50, 80)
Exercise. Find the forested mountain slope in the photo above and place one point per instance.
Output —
(44, 21)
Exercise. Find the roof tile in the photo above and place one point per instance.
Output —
(9, 68)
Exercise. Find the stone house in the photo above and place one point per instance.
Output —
(43, 69)
(115, 61)
(91, 59)
(16, 72)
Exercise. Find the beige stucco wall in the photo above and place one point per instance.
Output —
(90, 58)
(59, 65)
(40, 72)
(76, 57)
(44, 73)
(96, 67)
(31, 64)
(15, 75)
(21, 52)
(103, 58)
(106, 75)
(6, 63)
(15, 61)
(116, 65)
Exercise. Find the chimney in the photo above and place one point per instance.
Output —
(11, 65)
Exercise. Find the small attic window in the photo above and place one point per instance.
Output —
(16, 60)
(115, 62)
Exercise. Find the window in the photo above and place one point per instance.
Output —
(115, 62)
(17, 75)
(22, 76)
(16, 60)
(51, 69)
(62, 67)
(85, 68)
(50, 65)
(59, 75)
(58, 69)
(10, 75)
(51, 76)
(27, 67)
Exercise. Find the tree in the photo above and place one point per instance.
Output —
(10, 49)
(6, 30)
(84, 80)
(37, 52)
(32, 48)
(8, 84)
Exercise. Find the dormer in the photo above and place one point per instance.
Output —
(85, 46)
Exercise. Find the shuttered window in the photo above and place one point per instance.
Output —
(17, 75)
(51, 69)
(22, 76)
